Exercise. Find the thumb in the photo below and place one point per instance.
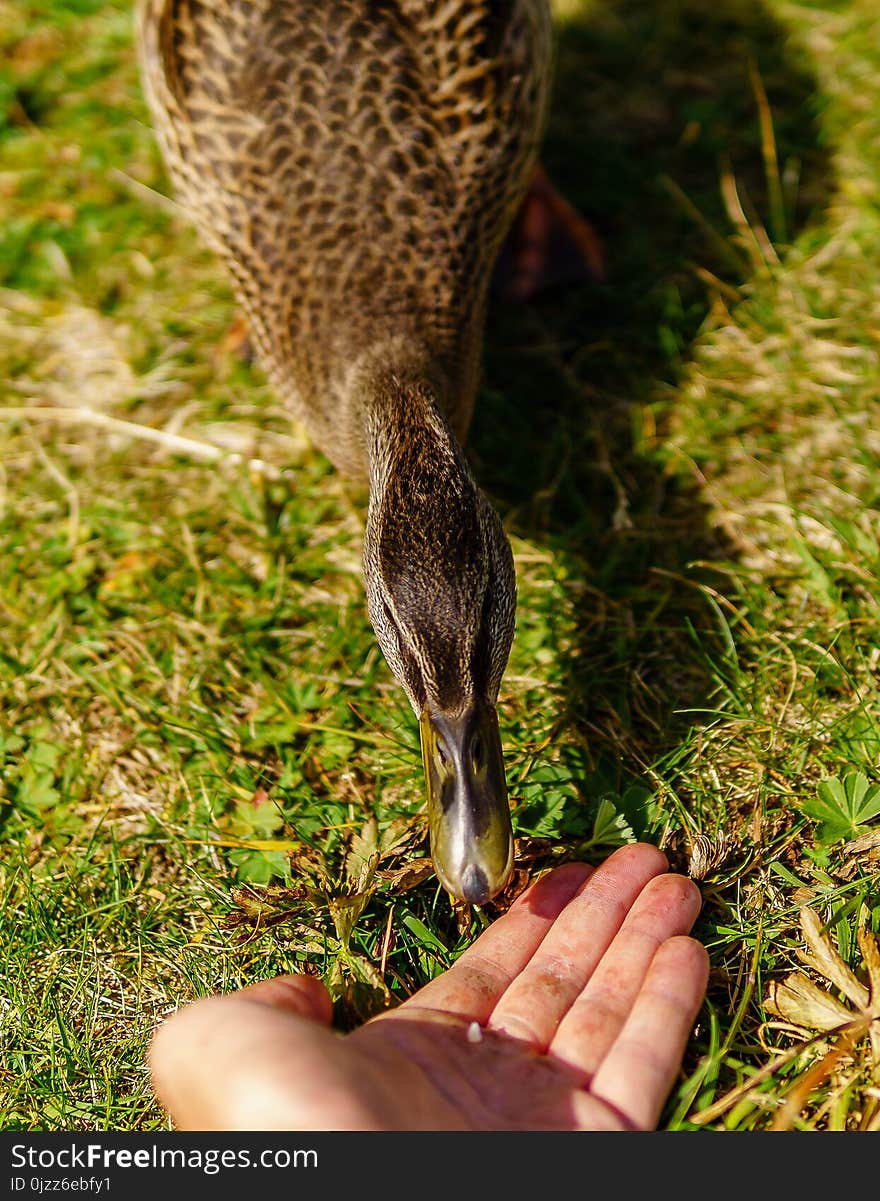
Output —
(221, 1063)
(303, 995)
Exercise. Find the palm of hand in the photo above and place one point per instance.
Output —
(428, 1073)
(571, 1012)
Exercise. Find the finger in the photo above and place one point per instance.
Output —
(300, 994)
(532, 1008)
(226, 1063)
(638, 1072)
(472, 986)
(666, 907)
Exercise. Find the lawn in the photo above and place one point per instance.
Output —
(208, 774)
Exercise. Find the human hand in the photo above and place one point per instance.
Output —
(570, 1012)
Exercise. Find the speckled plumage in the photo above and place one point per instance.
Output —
(357, 163)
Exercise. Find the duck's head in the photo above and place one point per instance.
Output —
(441, 594)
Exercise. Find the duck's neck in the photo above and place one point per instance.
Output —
(401, 393)
(426, 561)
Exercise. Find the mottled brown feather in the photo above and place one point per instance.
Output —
(357, 163)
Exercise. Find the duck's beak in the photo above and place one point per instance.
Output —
(468, 813)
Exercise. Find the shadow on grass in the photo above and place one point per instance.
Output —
(581, 381)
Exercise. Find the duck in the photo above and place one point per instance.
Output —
(357, 164)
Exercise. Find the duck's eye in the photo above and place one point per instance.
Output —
(442, 753)
(477, 752)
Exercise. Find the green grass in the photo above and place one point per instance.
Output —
(203, 758)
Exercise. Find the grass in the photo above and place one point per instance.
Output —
(207, 773)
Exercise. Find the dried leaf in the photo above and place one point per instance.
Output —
(464, 917)
(366, 972)
(358, 989)
(869, 945)
(865, 844)
(827, 962)
(346, 911)
(527, 848)
(266, 906)
(402, 835)
(800, 1001)
(363, 854)
(310, 862)
(706, 854)
(408, 875)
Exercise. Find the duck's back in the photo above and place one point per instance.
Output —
(357, 162)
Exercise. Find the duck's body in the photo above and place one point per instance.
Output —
(357, 163)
